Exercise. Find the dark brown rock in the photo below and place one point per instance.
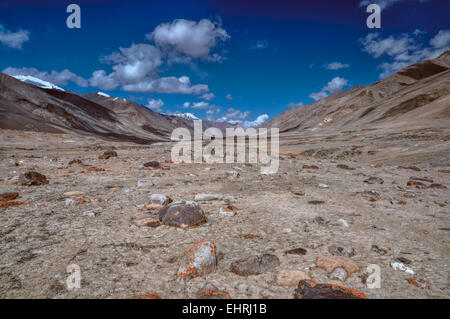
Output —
(308, 289)
(296, 251)
(153, 164)
(374, 180)
(9, 196)
(182, 214)
(32, 178)
(108, 155)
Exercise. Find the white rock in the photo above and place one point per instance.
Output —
(143, 184)
(343, 222)
(198, 260)
(208, 197)
(323, 185)
(227, 211)
(287, 230)
(402, 267)
(89, 213)
(159, 199)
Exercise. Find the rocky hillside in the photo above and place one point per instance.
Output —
(416, 96)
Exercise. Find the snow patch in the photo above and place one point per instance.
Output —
(37, 82)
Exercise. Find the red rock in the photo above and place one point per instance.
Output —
(198, 260)
(9, 196)
(147, 222)
(310, 166)
(308, 289)
(32, 178)
(147, 296)
(286, 277)
(330, 263)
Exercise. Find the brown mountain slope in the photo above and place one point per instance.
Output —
(416, 96)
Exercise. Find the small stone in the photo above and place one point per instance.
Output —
(89, 213)
(310, 166)
(141, 184)
(73, 193)
(312, 245)
(286, 277)
(344, 251)
(437, 186)
(182, 214)
(414, 168)
(108, 155)
(227, 211)
(153, 165)
(379, 250)
(339, 274)
(301, 226)
(403, 260)
(323, 185)
(342, 222)
(147, 222)
(198, 260)
(32, 178)
(296, 251)
(154, 206)
(160, 199)
(209, 291)
(207, 197)
(374, 180)
(402, 267)
(9, 196)
(255, 265)
(330, 263)
(232, 174)
(316, 202)
(343, 166)
(287, 230)
(320, 220)
(420, 283)
(308, 289)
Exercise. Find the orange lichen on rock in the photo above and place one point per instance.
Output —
(147, 296)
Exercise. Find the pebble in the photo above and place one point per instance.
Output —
(32, 178)
(210, 291)
(227, 211)
(308, 289)
(344, 251)
(342, 222)
(301, 226)
(330, 263)
(160, 199)
(182, 214)
(402, 267)
(147, 222)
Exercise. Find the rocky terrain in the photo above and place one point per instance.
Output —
(360, 199)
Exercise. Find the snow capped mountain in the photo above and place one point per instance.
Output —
(103, 94)
(37, 82)
(187, 116)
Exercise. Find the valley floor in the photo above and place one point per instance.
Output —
(46, 233)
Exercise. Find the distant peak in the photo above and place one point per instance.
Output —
(37, 82)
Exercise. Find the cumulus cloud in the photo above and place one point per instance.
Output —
(171, 85)
(261, 119)
(13, 40)
(336, 66)
(186, 40)
(155, 105)
(334, 85)
(56, 77)
(294, 105)
(234, 116)
(403, 50)
(383, 3)
(208, 96)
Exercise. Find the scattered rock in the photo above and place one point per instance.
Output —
(89, 213)
(374, 180)
(207, 197)
(287, 230)
(414, 168)
(32, 178)
(316, 202)
(147, 296)
(144, 183)
(320, 220)
(344, 251)
(339, 274)
(330, 263)
(437, 186)
(342, 222)
(343, 166)
(108, 155)
(255, 265)
(209, 291)
(312, 245)
(301, 226)
(421, 179)
(147, 222)
(296, 251)
(416, 184)
(323, 185)
(420, 283)
(286, 277)
(9, 196)
(308, 289)
(379, 250)
(310, 166)
(403, 260)
(402, 267)
(160, 199)
(153, 165)
(198, 260)
(227, 211)
(73, 193)
(182, 214)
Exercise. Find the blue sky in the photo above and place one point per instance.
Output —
(228, 60)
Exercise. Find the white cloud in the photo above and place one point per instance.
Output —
(229, 97)
(186, 40)
(383, 3)
(336, 66)
(294, 105)
(334, 85)
(234, 116)
(103, 81)
(208, 96)
(56, 77)
(181, 85)
(261, 119)
(155, 105)
(13, 40)
(259, 45)
(403, 50)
